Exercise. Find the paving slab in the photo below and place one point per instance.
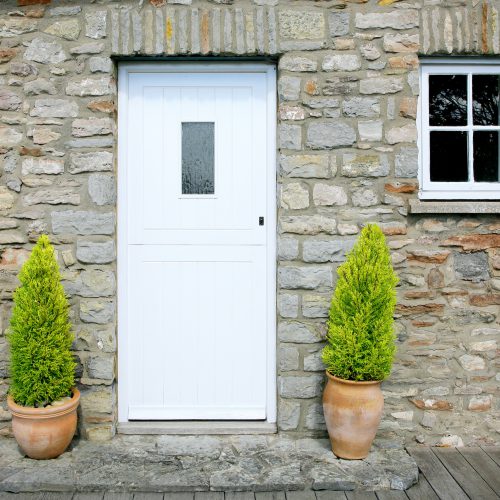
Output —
(169, 464)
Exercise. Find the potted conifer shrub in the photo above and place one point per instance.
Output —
(360, 345)
(42, 397)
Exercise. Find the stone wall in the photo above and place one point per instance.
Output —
(348, 88)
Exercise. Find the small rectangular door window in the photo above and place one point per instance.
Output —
(198, 158)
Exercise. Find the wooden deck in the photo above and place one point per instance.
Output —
(445, 474)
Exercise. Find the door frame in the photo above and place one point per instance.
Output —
(124, 70)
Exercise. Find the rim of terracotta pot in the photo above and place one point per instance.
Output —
(351, 382)
(47, 412)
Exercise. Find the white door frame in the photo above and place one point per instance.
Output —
(124, 70)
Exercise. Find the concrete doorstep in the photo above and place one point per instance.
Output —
(206, 463)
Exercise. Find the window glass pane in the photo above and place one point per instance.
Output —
(485, 99)
(448, 157)
(486, 167)
(197, 158)
(447, 100)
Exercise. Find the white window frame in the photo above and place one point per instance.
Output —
(452, 190)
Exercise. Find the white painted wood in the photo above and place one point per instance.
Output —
(452, 190)
(196, 272)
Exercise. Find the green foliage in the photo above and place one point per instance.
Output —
(360, 338)
(42, 368)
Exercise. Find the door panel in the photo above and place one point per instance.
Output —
(197, 270)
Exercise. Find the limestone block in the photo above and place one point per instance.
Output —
(309, 278)
(95, 252)
(83, 222)
(328, 135)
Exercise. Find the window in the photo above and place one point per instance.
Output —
(459, 129)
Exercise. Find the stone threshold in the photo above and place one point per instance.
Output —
(206, 463)
(195, 428)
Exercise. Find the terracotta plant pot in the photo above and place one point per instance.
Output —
(44, 433)
(352, 414)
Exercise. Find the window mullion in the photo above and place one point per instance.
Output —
(470, 133)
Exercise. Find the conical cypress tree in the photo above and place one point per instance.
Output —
(360, 337)
(42, 368)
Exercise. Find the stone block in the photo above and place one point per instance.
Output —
(90, 87)
(99, 311)
(102, 189)
(288, 248)
(308, 224)
(301, 25)
(304, 387)
(9, 101)
(472, 363)
(69, 29)
(288, 358)
(90, 162)
(308, 278)
(364, 165)
(381, 85)
(341, 62)
(92, 283)
(338, 23)
(406, 133)
(406, 163)
(42, 165)
(44, 51)
(315, 419)
(297, 63)
(288, 305)
(289, 88)
(294, 196)
(315, 306)
(95, 24)
(323, 251)
(364, 197)
(329, 135)
(398, 42)
(328, 195)
(298, 333)
(54, 108)
(101, 367)
(472, 266)
(306, 166)
(100, 64)
(288, 415)
(83, 222)
(396, 19)
(370, 131)
(361, 107)
(290, 136)
(85, 127)
(95, 252)
(52, 196)
(97, 401)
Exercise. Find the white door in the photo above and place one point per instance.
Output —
(196, 226)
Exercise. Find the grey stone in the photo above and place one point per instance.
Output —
(54, 108)
(363, 107)
(288, 415)
(87, 48)
(102, 189)
(70, 10)
(341, 62)
(297, 63)
(300, 387)
(313, 362)
(9, 136)
(52, 196)
(99, 311)
(472, 266)
(397, 19)
(91, 142)
(289, 88)
(400, 43)
(327, 195)
(95, 252)
(294, 196)
(315, 306)
(288, 358)
(45, 51)
(12, 27)
(308, 278)
(83, 222)
(327, 135)
(370, 51)
(472, 363)
(85, 127)
(308, 224)
(97, 401)
(339, 23)
(92, 283)
(90, 87)
(370, 131)
(323, 251)
(101, 367)
(23, 69)
(42, 165)
(288, 305)
(288, 248)
(381, 85)
(69, 30)
(315, 420)
(299, 333)
(406, 133)
(406, 163)
(91, 162)
(95, 24)
(364, 197)
(301, 25)
(39, 86)
(290, 136)
(307, 166)
(9, 101)
(364, 165)
(100, 64)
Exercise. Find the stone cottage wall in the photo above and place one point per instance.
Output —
(348, 88)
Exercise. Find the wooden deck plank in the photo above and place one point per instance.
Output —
(493, 452)
(422, 490)
(391, 495)
(483, 464)
(435, 472)
(269, 495)
(361, 495)
(330, 495)
(463, 473)
(300, 495)
(239, 495)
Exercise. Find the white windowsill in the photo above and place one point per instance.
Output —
(454, 207)
(197, 427)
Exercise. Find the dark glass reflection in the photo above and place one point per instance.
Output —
(485, 95)
(447, 100)
(448, 157)
(486, 168)
(197, 158)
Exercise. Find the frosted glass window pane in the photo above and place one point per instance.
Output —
(198, 158)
